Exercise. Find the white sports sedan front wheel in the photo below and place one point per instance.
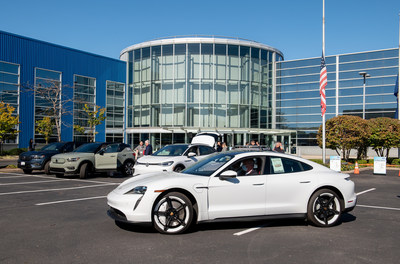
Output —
(173, 213)
(324, 208)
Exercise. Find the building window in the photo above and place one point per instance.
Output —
(115, 105)
(84, 93)
(47, 99)
(9, 87)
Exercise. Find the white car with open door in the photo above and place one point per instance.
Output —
(176, 157)
(231, 186)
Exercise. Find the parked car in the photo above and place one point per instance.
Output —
(232, 186)
(176, 157)
(40, 160)
(94, 157)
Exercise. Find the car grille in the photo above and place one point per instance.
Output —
(57, 169)
(58, 161)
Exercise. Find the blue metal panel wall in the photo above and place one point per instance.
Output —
(31, 53)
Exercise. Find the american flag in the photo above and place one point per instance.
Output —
(323, 80)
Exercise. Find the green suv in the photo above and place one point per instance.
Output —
(94, 157)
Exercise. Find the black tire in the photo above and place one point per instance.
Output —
(84, 171)
(172, 213)
(179, 168)
(127, 168)
(27, 171)
(47, 167)
(324, 208)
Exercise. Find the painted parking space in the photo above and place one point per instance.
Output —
(27, 189)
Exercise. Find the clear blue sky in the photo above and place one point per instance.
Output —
(292, 26)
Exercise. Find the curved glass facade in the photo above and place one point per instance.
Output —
(185, 85)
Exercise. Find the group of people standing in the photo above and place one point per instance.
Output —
(143, 149)
(147, 149)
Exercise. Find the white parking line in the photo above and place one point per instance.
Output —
(59, 189)
(378, 207)
(72, 200)
(373, 189)
(18, 183)
(249, 230)
(49, 177)
(12, 177)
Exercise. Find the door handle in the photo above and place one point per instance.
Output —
(258, 184)
(305, 181)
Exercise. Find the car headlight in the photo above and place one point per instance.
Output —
(37, 156)
(167, 163)
(72, 159)
(137, 190)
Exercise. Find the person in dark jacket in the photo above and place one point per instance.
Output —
(149, 148)
(31, 145)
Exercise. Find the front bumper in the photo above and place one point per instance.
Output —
(67, 168)
(34, 164)
(130, 208)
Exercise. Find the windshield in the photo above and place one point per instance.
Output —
(171, 150)
(88, 148)
(209, 166)
(54, 146)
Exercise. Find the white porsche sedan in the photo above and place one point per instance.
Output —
(233, 186)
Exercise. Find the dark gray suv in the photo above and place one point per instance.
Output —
(40, 160)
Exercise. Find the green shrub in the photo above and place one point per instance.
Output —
(14, 152)
(396, 162)
(362, 161)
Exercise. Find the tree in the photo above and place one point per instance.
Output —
(95, 116)
(8, 123)
(385, 134)
(54, 104)
(45, 127)
(344, 133)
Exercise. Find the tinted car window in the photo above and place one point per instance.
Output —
(69, 147)
(54, 146)
(204, 150)
(256, 162)
(285, 165)
(192, 149)
(89, 148)
(171, 150)
(111, 148)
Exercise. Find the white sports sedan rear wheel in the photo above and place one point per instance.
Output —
(324, 208)
(172, 214)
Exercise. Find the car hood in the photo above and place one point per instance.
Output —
(156, 159)
(44, 152)
(73, 155)
(160, 180)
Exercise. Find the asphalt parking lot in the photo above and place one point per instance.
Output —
(45, 219)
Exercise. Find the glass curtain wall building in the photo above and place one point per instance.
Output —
(298, 99)
(180, 86)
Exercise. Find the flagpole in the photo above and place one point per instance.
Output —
(323, 54)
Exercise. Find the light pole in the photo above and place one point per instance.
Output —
(364, 75)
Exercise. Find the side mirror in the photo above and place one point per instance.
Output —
(101, 152)
(191, 154)
(229, 174)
